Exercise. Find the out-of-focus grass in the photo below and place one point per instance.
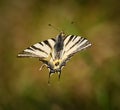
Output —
(90, 81)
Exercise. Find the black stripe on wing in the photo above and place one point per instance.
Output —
(41, 43)
(71, 37)
(30, 48)
(74, 38)
(53, 39)
(47, 43)
(27, 54)
(76, 43)
(36, 48)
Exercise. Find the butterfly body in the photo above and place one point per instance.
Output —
(55, 52)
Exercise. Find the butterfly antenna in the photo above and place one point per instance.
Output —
(54, 27)
(72, 22)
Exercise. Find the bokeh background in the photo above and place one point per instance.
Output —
(91, 79)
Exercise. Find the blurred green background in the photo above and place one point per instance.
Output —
(90, 81)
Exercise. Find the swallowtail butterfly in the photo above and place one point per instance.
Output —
(55, 52)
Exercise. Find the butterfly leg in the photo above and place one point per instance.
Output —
(49, 78)
(41, 67)
(59, 74)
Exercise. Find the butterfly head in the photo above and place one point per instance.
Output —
(56, 67)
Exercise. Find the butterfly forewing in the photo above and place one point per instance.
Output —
(73, 44)
(39, 50)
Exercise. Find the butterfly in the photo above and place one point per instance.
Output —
(56, 52)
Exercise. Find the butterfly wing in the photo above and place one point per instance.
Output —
(72, 45)
(40, 50)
